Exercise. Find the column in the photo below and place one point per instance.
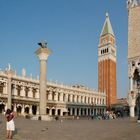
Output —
(66, 98)
(79, 99)
(89, 100)
(71, 111)
(37, 112)
(61, 112)
(132, 102)
(131, 84)
(56, 112)
(30, 109)
(83, 98)
(23, 109)
(90, 112)
(86, 111)
(50, 112)
(104, 110)
(132, 111)
(75, 111)
(83, 112)
(5, 107)
(9, 91)
(15, 107)
(86, 99)
(79, 111)
(43, 52)
(75, 98)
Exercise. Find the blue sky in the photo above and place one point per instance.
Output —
(72, 29)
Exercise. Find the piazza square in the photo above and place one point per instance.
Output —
(40, 109)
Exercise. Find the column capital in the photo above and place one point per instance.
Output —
(43, 53)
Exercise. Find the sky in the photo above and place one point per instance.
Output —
(72, 30)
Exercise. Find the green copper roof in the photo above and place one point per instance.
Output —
(107, 28)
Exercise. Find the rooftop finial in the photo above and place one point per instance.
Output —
(107, 15)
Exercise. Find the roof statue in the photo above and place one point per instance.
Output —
(43, 44)
(138, 68)
(9, 66)
(133, 3)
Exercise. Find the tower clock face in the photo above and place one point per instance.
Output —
(104, 41)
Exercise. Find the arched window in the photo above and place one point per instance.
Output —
(73, 98)
(1, 88)
(103, 101)
(34, 92)
(58, 96)
(26, 92)
(133, 63)
(64, 96)
(68, 98)
(107, 50)
(53, 94)
(85, 99)
(18, 90)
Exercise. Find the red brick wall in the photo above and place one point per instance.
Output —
(107, 80)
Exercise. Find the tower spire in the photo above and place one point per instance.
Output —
(107, 28)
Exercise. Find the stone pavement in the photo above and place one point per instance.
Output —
(83, 129)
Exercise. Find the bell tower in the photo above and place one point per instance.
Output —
(107, 63)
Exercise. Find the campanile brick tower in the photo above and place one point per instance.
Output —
(107, 63)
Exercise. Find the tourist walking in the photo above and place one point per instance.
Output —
(10, 126)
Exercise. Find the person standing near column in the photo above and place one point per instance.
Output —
(10, 125)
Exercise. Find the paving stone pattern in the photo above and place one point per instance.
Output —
(82, 129)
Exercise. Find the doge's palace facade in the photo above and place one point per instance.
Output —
(133, 52)
(61, 99)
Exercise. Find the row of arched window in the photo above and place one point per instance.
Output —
(103, 51)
